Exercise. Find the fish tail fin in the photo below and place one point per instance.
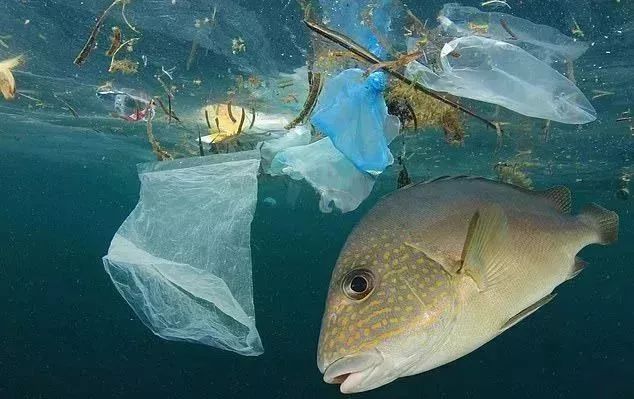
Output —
(604, 223)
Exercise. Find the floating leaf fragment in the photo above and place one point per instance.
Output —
(7, 81)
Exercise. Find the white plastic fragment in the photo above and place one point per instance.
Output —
(331, 174)
(182, 258)
(500, 73)
(299, 135)
(544, 42)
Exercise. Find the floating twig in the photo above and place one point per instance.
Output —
(125, 65)
(508, 30)
(115, 41)
(495, 3)
(230, 113)
(316, 81)
(125, 19)
(601, 93)
(252, 118)
(68, 106)
(200, 143)
(241, 122)
(207, 119)
(92, 39)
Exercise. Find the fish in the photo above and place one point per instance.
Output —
(437, 269)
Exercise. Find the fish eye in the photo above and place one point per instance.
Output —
(358, 284)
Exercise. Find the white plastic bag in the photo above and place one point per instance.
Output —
(299, 135)
(500, 73)
(335, 178)
(544, 42)
(182, 258)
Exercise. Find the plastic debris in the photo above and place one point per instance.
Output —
(297, 136)
(500, 73)
(182, 258)
(352, 112)
(335, 178)
(7, 81)
(128, 104)
(544, 42)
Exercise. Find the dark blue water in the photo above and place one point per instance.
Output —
(65, 332)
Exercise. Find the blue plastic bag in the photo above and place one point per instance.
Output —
(352, 112)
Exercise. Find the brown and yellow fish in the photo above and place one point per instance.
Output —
(436, 270)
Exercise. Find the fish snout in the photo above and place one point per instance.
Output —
(352, 371)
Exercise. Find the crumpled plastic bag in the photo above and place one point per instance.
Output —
(182, 258)
(335, 178)
(352, 112)
(500, 73)
(298, 136)
(544, 42)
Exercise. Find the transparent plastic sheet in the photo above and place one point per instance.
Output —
(544, 42)
(500, 73)
(335, 178)
(353, 18)
(298, 136)
(352, 112)
(182, 258)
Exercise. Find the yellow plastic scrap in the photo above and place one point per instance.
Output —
(7, 81)
(226, 121)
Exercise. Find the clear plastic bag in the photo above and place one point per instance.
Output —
(298, 136)
(182, 258)
(352, 112)
(335, 178)
(544, 42)
(500, 73)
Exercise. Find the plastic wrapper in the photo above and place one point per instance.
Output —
(182, 258)
(544, 42)
(500, 73)
(298, 136)
(352, 112)
(335, 178)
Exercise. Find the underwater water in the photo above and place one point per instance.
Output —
(68, 184)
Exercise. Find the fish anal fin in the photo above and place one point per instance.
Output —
(527, 312)
(481, 255)
(577, 267)
(603, 222)
(560, 197)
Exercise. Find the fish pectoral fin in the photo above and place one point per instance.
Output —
(526, 312)
(481, 255)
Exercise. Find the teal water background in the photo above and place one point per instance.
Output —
(66, 333)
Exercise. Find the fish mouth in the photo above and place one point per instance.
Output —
(351, 371)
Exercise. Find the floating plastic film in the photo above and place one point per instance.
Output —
(182, 258)
(352, 112)
(544, 42)
(335, 178)
(500, 73)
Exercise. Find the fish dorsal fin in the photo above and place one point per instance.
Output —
(481, 255)
(559, 196)
(527, 312)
